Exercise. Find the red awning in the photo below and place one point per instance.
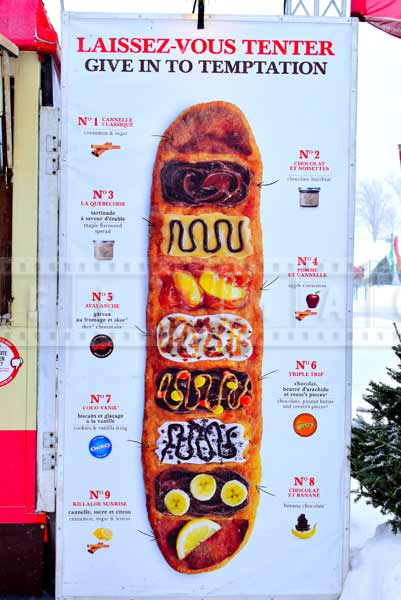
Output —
(384, 14)
(25, 22)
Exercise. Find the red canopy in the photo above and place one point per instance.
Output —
(25, 22)
(384, 14)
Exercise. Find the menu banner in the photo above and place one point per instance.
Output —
(203, 443)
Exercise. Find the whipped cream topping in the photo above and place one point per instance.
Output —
(183, 338)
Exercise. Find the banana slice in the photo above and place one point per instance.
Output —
(203, 487)
(233, 493)
(304, 535)
(177, 502)
(193, 534)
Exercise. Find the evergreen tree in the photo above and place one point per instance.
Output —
(376, 446)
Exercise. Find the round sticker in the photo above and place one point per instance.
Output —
(100, 446)
(101, 346)
(10, 361)
(305, 425)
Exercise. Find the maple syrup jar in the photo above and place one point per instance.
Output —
(103, 250)
(309, 197)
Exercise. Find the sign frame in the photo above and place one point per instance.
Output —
(65, 291)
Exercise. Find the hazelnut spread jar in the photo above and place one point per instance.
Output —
(309, 197)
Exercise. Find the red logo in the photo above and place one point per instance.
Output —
(10, 361)
(101, 346)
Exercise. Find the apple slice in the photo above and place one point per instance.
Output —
(188, 288)
(219, 291)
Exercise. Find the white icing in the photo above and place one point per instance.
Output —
(200, 441)
(185, 338)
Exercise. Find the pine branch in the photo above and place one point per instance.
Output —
(375, 452)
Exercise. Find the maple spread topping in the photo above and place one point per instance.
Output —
(212, 235)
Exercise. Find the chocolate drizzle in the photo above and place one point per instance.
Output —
(173, 479)
(210, 249)
(220, 183)
(183, 391)
(200, 441)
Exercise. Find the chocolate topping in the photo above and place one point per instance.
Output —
(183, 391)
(302, 523)
(174, 479)
(201, 441)
(211, 182)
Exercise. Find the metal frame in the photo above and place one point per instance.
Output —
(170, 597)
(317, 8)
(349, 298)
(47, 306)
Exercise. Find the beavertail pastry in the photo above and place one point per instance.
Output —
(203, 415)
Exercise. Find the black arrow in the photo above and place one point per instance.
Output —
(149, 535)
(266, 375)
(167, 137)
(141, 444)
(142, 331)
(261, 184)
(262, 488)
(266, 285)
(150, 224)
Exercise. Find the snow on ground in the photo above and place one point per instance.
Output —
(364, 521)
(376, 569)
(365, 250)
(376, 302)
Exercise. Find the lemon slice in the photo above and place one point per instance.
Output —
(193, 534)
(177, 502)
(101, 533)
(203, 487)
(233, 493)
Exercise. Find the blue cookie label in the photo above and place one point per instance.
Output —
(100, 446)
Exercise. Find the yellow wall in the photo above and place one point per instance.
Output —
(18, 398)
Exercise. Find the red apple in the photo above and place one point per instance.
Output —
(312, 300)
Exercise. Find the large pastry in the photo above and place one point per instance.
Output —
(203, 415)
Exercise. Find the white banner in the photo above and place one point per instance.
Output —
(125, 81)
